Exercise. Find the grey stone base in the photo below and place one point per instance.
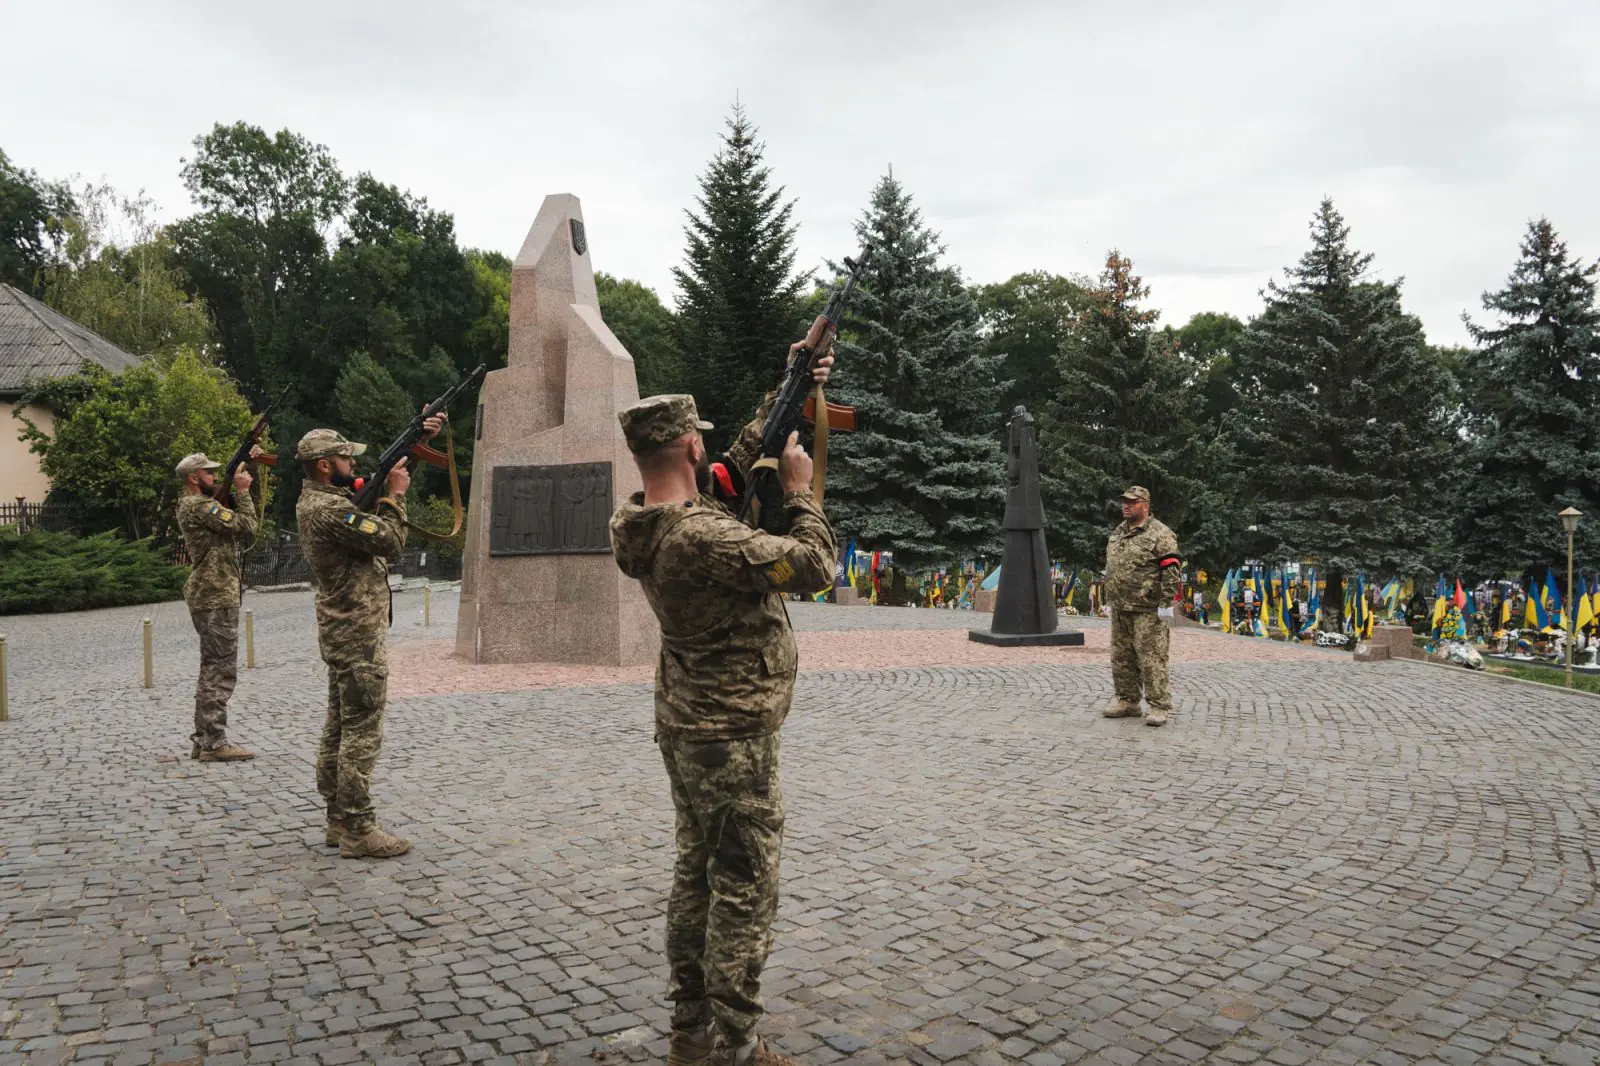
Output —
(1070, 638)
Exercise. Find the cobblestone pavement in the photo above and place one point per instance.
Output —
(1317, 861)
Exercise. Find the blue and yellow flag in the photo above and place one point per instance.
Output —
(1584, 612)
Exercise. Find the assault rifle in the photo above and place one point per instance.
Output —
(224, 490)
(789, 408)
(370, 490)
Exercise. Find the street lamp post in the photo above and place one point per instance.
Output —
(1569, 522)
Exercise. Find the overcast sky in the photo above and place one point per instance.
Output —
(1195, 137)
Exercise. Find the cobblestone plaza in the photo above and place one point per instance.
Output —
(1316, 861)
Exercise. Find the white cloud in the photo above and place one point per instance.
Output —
(1195, 138)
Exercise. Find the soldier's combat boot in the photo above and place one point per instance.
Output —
(373, 844)
(690, 1047)
(756, 1053)
(1121, 710)
(194, 751)
(333, 835)
(226, 753)
(1157, 716)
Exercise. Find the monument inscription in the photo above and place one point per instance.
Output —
(550, 510)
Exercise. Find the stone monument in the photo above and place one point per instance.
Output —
(549, 466)
(1025, 604)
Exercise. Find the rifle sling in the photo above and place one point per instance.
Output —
(457, 513)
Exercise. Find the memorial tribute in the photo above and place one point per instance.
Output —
(1025, 605)
(550, 465)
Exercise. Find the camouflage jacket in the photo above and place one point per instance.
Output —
(1143, 571)
(212, 535)
(348, 550)
(728, 656)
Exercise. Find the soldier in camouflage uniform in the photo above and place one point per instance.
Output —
(212, 536)
(349, 550)
(724, 683)
(1143, 574)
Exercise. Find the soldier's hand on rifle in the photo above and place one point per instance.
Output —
(432, 426)
(399, 479)
(242, 479)
(794, 468)
(823, 366)
(256, 453)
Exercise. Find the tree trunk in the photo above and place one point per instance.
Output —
(1333, 603)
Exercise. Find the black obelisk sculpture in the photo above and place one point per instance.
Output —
(1025, 609)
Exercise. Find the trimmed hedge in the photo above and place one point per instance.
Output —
(42, 572)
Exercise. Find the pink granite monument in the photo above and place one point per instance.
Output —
(550, 465)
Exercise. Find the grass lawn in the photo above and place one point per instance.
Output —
(1585, 682)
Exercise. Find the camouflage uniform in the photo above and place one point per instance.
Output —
(212, 536)
(348, 551)
(724, 684)
(1143, 573)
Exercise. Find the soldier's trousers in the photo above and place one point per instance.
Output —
(725, 881)
(219, 672)
(1139, 642)
(351, 738)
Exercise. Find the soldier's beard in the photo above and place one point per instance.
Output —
(702, 474)
(343, 481)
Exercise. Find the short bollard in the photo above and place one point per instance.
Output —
(4, 705)
(149, 660)
(427, 605)
(249, 639)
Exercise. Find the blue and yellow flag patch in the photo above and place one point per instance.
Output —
(361, 523)
(222, 513)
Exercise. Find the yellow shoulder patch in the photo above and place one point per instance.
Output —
(222, 513)
(361, 523)
(780, 573)
(368, 526)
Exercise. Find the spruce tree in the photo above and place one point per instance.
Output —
(1122, 417)
(1344, 421)
(1533, 393)
(923, 475)
(738, 295)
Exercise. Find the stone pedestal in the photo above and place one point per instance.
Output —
(1397, 641)
(984, 599)
(539, 583)
(846, 596)
(1025, 606)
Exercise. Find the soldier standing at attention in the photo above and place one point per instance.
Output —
(349, 549)
(724, 684)
(1143, 573)
(212, 535)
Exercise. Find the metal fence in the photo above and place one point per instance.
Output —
(286, 565)
(54, 517)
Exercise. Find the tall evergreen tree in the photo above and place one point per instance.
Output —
(1344, 420)
(1122, 417)
(1533, 392)
(738, 295)
(924, 474)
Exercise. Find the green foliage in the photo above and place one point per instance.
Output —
(370, 405)
(32, 230)
(738, 294)
(1027, 319)
(127, 290)
(43, 572)
(118, 438)
(433, 514)
(924, 474)
(646, 328)
(1121, 417)
(256, 253)
(1207, 349)
(1533, 392)
(1344, 420)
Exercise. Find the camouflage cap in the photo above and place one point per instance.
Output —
(1136, 492)
(322, 443)
(198, 461)
(659, 420)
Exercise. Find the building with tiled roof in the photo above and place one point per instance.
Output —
(37, 344)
